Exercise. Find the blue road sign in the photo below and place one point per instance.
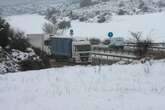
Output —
(110, 34)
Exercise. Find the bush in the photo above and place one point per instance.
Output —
(53, 20)
(41, 63)
(84, 3)
(101, 19)
(82, 19)
(19, 41)
(43, 56)
(4, 33)
(73, 16)
(11, 38)
(31, 65)
(64, 25)
(122, 12)
(143, 6)
(49, 28)
(104, 0)
(121, 4)
(161, 3)
(142, 47)
(51, 12)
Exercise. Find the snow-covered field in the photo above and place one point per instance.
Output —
(151, 25)
(116, 87)
(29, 23)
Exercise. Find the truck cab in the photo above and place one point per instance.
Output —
(81, 52)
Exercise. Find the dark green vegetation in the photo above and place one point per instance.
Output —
(10, 38)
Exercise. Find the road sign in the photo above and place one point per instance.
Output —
(110, 34)
(71, 32)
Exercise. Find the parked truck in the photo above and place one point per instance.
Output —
(61, 48)
(68, 48)
(81, 52)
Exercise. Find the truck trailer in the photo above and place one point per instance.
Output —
(75, 51)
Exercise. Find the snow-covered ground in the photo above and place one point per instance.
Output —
(151, 25)
(116, 87)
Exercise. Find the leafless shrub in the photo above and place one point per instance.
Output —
(136, 36)
(49, 28)
(142, 46)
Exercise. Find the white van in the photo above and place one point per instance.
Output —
(117, 43)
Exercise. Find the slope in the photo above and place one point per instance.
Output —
(116, 87)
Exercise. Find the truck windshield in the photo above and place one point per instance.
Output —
(83, 47)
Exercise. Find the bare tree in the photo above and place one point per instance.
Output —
(136, 35)
(49, 28)
(53, 20)
(142, 46)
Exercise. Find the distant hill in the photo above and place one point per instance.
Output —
(15, 7)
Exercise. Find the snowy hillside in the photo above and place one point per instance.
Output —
(102, 10)
(17, 7)
(29, 23)
(96, 8)
(116, 87)
(151, 25)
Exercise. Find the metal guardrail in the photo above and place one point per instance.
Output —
(107, 52)
(152, 47)
(117, 56)
(161, 43)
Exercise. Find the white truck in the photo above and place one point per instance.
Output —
(81, 52)
(117, 42)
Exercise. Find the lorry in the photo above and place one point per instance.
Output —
(60, 48)
(75, 51)
(81, 52)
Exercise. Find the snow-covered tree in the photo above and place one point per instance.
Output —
(4, 33)
(49, 28)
